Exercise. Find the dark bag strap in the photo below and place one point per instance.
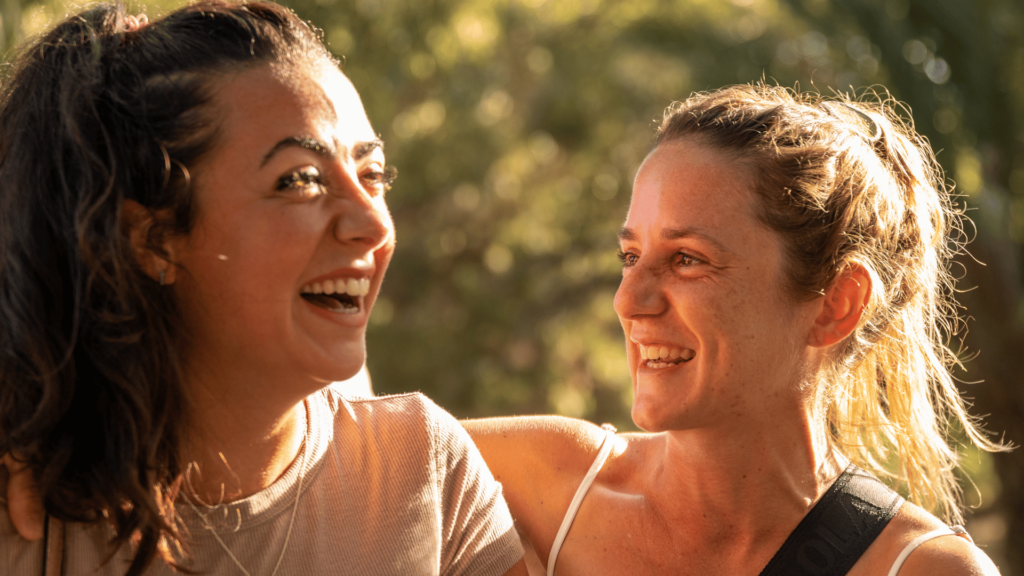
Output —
(836, 532)
(53, 547)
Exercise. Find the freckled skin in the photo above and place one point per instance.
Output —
(716, 291)
(737, 455)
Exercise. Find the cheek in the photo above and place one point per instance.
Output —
(764, 336)
(730, 323)
(710, 306)
(251, 260)
(280, 239)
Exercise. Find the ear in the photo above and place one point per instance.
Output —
(844, 303)
(137, 221)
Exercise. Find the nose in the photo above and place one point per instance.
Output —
(639, 294)
(363, 218)
(367, 224)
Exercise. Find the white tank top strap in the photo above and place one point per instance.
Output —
(577, 499)
(945, 531)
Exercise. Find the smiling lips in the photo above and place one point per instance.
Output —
(342, 295)
(663, 356)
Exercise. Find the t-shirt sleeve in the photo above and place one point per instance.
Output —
(477, 534)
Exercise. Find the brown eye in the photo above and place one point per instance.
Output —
(627, 258)
(378, 176)
(684, 259)
(306, 181)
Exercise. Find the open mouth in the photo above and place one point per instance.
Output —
(664, 357)
(341, 295)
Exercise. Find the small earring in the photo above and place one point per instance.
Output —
(163, 273)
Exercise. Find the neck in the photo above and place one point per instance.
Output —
(745, 483)
(240, 441)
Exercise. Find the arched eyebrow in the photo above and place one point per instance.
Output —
(359, 151)
(627, 234)
(312, 144)
(363, 149)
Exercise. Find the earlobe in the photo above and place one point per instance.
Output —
(137, 221)
(844, 304)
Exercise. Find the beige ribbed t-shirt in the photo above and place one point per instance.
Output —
(393, 486)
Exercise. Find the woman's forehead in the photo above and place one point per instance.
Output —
(261, 106)
(690, 182)
(324, 87)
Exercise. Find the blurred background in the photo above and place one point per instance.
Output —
(518, 125)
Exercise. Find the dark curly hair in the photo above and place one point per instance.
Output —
(94, 113)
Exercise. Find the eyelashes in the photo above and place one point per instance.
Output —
(310, 183)
(681, 259)
(306, 180)
(684, 259)
(383, 178)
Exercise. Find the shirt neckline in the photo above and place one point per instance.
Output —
(270, 502)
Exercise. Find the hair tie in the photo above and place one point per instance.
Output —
(135, 23)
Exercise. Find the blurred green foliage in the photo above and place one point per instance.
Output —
(517, 127)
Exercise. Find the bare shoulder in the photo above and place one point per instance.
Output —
(947, 555)
(540, 461)
(553, 444)
(560, 429)
(950, 555)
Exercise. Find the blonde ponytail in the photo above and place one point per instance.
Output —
(845, 183)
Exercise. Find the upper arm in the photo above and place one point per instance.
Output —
(539, 461)
(948, 556)
(535, 453)
(477, 532)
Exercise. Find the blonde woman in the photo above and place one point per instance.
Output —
(784, 293)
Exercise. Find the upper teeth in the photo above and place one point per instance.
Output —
(350, 286)
(665, 353)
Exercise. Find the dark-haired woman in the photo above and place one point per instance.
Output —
(192, 233)
(784, 292)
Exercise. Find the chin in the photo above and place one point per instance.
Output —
(342, 363)
(645, 416)
(349, 369)
(341, 375)
(648, 407)
(653, 414)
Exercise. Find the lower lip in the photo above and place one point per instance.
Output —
(357, 320)
(667, 368)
